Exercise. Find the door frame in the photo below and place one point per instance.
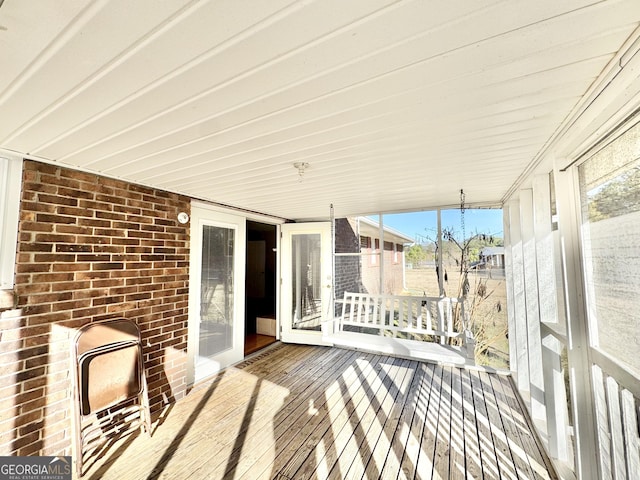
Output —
(276, 223)
(288, 334)
(201, 215)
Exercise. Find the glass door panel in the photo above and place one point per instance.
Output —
(306, 305)
(216, 291)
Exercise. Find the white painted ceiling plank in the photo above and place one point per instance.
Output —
(261, 155)
(59, 73)
(227, 65)
(454, 88)
(15, 20)
(394, 104)
(238, 135)
(125, 113)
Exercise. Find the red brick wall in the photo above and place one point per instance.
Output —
(89, 249)
(392, 271)
(360, 273)
(348, 270)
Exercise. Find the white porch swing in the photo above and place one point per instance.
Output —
(415, 327)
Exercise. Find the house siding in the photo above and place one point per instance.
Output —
(89, 249)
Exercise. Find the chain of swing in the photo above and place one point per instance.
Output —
(448, 234)
(465, 280)
(462, 198)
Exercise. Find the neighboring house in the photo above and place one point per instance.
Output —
(390, 258)
(360, 272)
(492, 257)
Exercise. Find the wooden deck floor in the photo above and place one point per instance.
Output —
(298, 412)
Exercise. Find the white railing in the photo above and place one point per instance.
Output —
(425, 319)
(617, 422)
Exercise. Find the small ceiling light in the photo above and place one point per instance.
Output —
(301, 166)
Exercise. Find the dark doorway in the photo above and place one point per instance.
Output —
(260, 296)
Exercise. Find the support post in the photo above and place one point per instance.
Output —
(532, 298)
(554, 391)
(577, 337)
(439, 259)
(381, 235)
(519, 321)
(508, 272)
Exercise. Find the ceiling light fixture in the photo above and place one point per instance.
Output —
(301, 166)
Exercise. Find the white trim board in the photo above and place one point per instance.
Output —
(10, 187)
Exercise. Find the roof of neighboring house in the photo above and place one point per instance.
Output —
(488, 251)
(371, 228)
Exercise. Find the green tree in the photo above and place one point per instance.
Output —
(618, 196)
(416, 254)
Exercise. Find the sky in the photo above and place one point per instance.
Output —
(424, 224)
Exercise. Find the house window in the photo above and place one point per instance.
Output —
(10, 186)
(365, 242)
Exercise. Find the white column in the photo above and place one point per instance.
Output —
(519, 301)
(577, 339)
(381, 235)
(508, 272)
(554, 390)
(439, 260)
(545, 249)
(530, 271)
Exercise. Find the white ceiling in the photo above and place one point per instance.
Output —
(395, 105)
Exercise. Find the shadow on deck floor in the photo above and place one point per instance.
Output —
(297, 412)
